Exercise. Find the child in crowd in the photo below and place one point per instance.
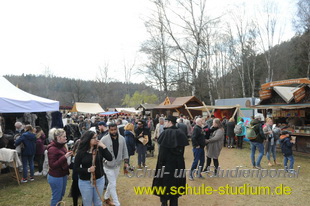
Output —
(286, 147)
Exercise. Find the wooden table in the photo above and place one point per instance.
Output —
(10, 157)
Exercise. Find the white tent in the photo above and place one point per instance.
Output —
(130, 110)
(15, 100)
(83, 107)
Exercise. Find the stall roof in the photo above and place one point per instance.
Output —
(286, 93)
(92, 108)
(209, 107)
(174, 103)
(147, 106)
(15, 100)
(281, 106)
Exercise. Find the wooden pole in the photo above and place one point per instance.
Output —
(16, 172)
(190, 114)
(206, 109)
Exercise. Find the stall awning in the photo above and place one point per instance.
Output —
(281, 106)
(15, 100)
(208, 107)
(92, 108)
(108, 113)
(127, 110)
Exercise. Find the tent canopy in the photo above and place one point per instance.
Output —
(108, 113)
(130, 110)
(92, 108)
(15, 100)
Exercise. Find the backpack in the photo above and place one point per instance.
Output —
(250, 133)
(238, 129)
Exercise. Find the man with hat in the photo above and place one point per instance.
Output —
(172, 143)
(103, 129)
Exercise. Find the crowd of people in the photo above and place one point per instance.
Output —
(107, 143)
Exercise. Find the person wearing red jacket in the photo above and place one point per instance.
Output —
(58, 165)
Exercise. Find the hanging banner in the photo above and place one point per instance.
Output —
(265, 94)
(299, 94)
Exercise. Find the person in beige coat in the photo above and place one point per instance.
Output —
(215, 144)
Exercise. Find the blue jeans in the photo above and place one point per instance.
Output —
(141, 150)
(291, 159)
(260, 148)
(272, 150)
(89, 193)
(199, 156)
(58, 186)
(28, 159)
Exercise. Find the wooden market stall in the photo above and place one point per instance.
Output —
(288, 103)
(177, 105)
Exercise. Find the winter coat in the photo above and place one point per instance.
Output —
(57, 161)
(29, 141)
(172, 143)
(122, 151)
(215, 144)
(258, 128)
(84, 160)
(230, 129)
(182, 127)
(198, 138)
(286, 146)
(40, 147)
(130, 142)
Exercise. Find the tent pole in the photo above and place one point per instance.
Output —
(190, 114)
(206, 109)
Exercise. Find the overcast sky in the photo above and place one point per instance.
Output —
(73, 38)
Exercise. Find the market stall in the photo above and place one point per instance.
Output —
(83, 107)
(288, 103)
(219, 111)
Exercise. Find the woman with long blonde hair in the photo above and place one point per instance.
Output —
(130, 139)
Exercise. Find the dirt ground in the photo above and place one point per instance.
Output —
(38, 192)
(230, 159)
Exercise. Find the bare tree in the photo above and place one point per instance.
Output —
(78, 91)
(191, 23)
(302, 26)
(128, 70)
(267, 32)
(102, 76)
(158, 50)
(100, 85)
(251, 48)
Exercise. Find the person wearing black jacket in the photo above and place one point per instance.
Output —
(198, 143)
(172, 143)
(141, 131)
(257, 142)
(89, 165)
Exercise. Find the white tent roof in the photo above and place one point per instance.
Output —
(92, 108)
(287, 93)
(130, 110)
(15, 100)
